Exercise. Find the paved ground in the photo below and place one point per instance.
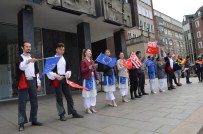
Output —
(161, 113)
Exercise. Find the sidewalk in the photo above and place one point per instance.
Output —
(162, 113)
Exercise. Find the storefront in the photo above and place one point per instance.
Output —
(44, 25)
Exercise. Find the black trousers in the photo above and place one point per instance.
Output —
(200, 74)
(22, 100)
(133, 86)
(64, 89)
(141, 83)
(170, 77)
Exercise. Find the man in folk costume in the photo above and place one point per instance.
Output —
(58, 80)
(199, 68)
(169, 70)
(187, 66)
(28, 81)
(141, 75)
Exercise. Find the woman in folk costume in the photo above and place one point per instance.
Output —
(123, 78)
(90, 79)
(151, 72)
(109, 83)
(161, 64)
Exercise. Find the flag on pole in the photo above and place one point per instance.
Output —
(50, 64)
(72, 84)
(135, 60)
(128, 64)
(183, 61)
(152, 47)
(106, 60)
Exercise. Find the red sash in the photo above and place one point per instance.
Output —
(22, 83)
(55, 83)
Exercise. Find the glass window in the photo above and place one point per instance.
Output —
(199, 34)
(200, 45)
(9, 52)
(197, 24)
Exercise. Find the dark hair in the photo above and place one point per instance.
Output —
(187, 57)
(138, 52)
(23, 44)
(148, 57)
(157, 59)
(59, 45)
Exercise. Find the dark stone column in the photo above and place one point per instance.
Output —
(120, 43)
(26, 27)
(84, 37)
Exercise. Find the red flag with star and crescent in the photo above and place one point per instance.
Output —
(152, 47)
(128, 63)
(72, 84)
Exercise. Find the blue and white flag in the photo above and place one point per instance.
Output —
(106, 60)
(50, 64)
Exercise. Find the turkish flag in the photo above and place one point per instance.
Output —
(72, 84)
(152, 47)
(128, 64)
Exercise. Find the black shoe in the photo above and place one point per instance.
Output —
(145, 94)
(63, 118)
(132, 98)
(170, 88)
(140, 94)
(178, 85)
(189, 82)
(37, 124)
(137, 96)
(76, 115)
(21, 127)
(173, 88)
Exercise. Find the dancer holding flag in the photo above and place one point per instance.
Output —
(58, 77)
(109, 78)
(151, 72)
(133, 75)
(90, 79)
(123, 78)
(28, 79)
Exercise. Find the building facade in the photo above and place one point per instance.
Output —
(188, 36)
(169, 34)
(138, 37)
(78, 24)
(197, 25)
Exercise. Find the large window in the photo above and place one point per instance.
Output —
(200, 45)
(197, 24)
(199, 34)
(9, 52)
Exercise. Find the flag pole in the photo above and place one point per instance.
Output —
(45, 58)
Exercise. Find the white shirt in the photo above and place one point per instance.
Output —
(61, 69)
(61, 66)
(28, 68)
(171, 62)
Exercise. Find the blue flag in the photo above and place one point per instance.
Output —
(106, 60)
(50, 64)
